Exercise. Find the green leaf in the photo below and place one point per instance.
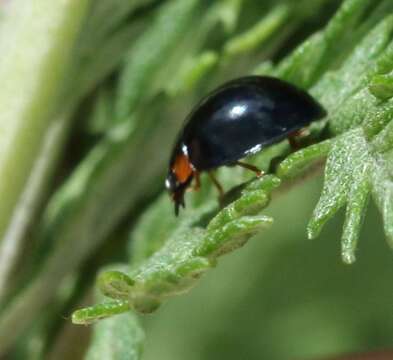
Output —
(188, 252)
(337, 86)
(298, 162)
(381, 82)
(90, 315)
(382, 190)
(346, 183)
(313, 58)
(382, 87)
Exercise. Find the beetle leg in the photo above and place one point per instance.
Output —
(217, 185)
(253, 168)
(294, 143)
(197, 184)
(293, 138)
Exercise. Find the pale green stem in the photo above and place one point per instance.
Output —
(35, 46)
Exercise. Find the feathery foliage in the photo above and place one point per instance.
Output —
(140, 69)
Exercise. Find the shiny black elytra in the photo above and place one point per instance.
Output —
(239, 118)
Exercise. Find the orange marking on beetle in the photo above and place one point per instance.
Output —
(182, 168)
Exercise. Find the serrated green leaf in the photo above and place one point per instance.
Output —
(346, 182)
(254, 198)
(355, 213)
(298, 162)
(353, 74)
(189, 251)
(382, 190)
(383, 142)
(179, 263)
(310, 60)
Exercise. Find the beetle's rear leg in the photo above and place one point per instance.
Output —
(253, 168)
(295, 137)
(295, 143)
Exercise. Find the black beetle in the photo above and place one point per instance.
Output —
(238, 119)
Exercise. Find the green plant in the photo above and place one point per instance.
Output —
(165, 54)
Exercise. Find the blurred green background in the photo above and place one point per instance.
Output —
(92, 95)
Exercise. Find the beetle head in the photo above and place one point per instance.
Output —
(176, 189)
(180, 175)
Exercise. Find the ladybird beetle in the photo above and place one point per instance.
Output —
(238, 119)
